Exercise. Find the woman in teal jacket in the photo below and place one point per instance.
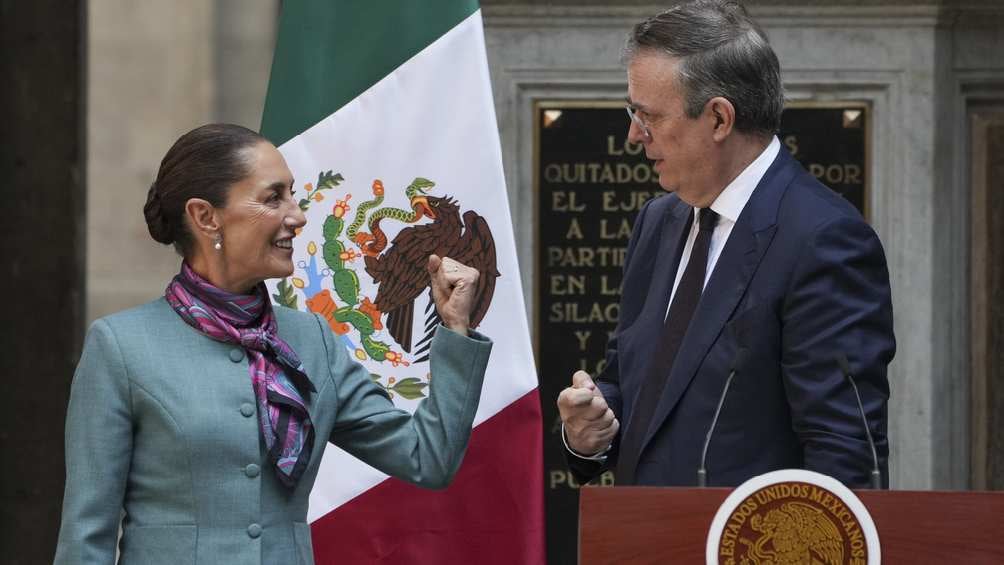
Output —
(197, 421)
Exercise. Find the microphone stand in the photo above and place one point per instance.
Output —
(876, 475)
(702, 471)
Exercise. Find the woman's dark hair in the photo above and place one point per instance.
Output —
(203, 163)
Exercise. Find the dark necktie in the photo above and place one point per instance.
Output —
(688, 294)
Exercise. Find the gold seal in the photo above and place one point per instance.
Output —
(792, 523)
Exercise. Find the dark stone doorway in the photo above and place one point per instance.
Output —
(42, 157)
(987, 296)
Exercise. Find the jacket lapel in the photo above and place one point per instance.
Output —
(668, 257)
(749, 240)
(653, 313)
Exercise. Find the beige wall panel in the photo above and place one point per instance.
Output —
(158, 69)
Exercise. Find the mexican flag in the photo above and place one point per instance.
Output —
(383, 111)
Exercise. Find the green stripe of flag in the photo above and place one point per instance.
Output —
(330, 51)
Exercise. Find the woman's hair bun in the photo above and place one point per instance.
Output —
(156, 221)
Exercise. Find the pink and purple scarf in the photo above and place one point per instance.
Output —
(277, 377)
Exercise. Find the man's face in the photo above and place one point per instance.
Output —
(681, 147)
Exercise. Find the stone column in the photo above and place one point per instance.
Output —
(42, 146)
(158, 70)
(244, 40)
(151, 80)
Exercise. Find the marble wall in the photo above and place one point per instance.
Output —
(157, 70)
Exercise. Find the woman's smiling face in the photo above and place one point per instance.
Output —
(259, 221)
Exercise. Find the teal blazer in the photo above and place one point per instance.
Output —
(162, 438)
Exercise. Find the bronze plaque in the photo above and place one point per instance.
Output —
(830, 139)
(590, 185)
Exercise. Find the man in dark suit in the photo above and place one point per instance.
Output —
(751, 265)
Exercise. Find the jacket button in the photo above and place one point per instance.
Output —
(252, 470)
(254, 531)
(247, 410)
(236, 355)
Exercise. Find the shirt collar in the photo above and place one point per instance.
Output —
(733, 199)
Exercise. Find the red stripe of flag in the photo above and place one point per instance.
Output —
(493, 512)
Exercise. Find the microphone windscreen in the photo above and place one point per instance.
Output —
(844, 365)
(740, 359)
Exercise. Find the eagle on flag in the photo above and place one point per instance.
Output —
(401, 275)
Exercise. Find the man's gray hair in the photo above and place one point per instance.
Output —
(722, 52)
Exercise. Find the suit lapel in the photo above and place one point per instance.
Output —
(749, 240)
(666, 263)
(667, 259)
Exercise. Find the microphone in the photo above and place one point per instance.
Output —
(876, 475)
(737, 363)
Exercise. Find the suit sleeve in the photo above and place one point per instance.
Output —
(839, 303)
(424, 448)
(585, 470)
(98, 452)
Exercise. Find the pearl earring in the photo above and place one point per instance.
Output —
(219, 243)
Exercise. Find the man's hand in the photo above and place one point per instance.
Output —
(453, 287)
(590, 424)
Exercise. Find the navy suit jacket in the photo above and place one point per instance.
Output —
(801, 280)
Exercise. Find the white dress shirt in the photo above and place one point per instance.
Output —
(728, 206)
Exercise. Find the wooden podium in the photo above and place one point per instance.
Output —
(670, 525)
